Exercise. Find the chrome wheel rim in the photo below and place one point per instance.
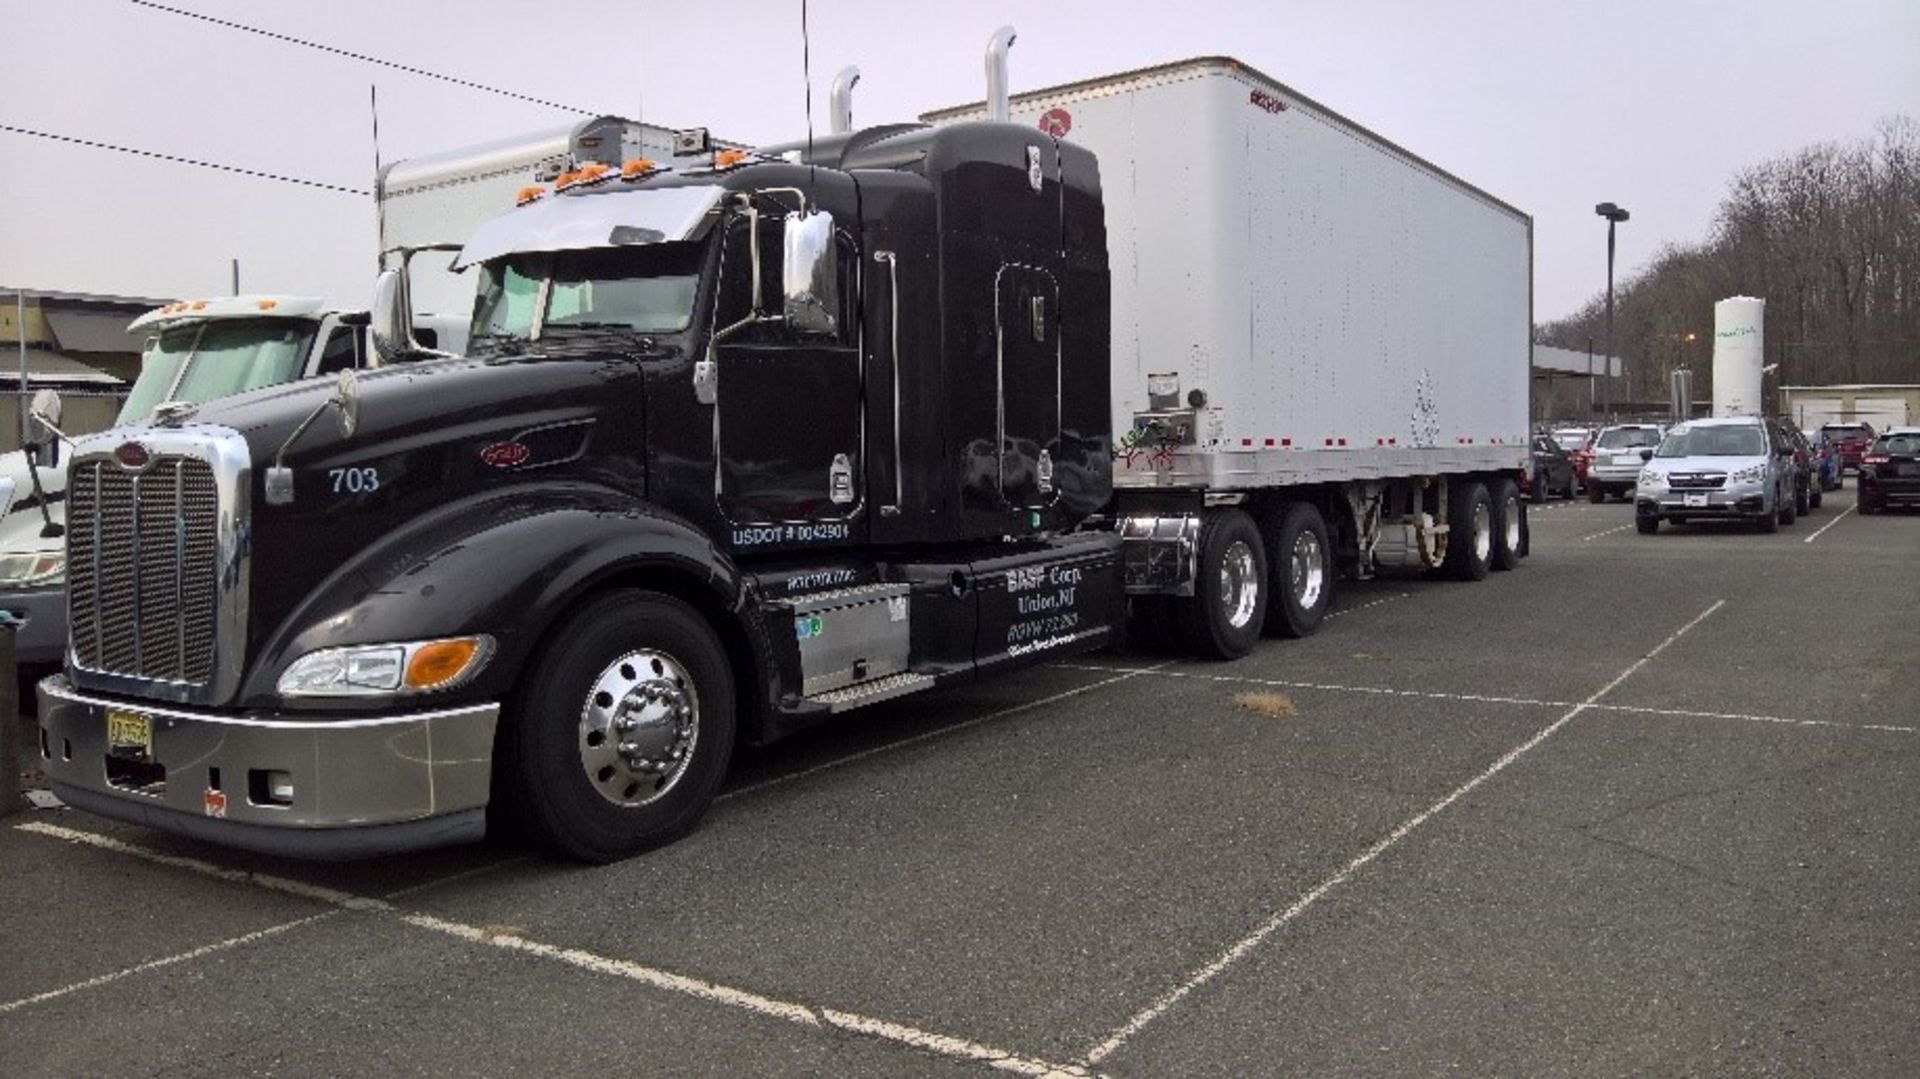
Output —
(1513, 523)
(1482, 532)
(638, 727)
(1239, 584)
(1307, 570)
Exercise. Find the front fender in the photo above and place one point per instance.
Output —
(506, 564)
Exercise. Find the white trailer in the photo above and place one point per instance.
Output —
(1304, 314)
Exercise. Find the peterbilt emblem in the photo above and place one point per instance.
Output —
(132, 455)
(506, 454)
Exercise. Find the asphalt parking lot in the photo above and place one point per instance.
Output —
(1645, 804)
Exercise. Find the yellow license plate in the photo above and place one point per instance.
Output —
(129, 734)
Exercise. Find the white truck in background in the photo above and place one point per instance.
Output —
(195, 351)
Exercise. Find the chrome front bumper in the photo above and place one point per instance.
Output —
(360, 785)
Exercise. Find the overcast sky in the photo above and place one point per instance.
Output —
(1551, 105)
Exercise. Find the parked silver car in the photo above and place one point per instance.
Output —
(1724, 469)
(1616, 458)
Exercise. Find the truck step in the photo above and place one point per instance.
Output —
(880, 689)
(808, 602)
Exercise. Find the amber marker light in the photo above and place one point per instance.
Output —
(268, 305)
(727, 159)
(528, 194)
(440, 663)
(637, 168)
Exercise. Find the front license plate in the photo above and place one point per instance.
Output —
(1910, 470)
(1696, 500)
(129, 734)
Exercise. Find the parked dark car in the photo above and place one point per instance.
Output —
(1578, 442)
(1806, 486)
(1890, 471)
(1852, 439)
(1552, 471)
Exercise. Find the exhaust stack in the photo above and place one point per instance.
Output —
(841, 107)
(997, 108)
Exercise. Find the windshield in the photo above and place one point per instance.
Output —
(219, 358)
(1902, 443)
(1627, 438)
(648, 290)
(1714, 442)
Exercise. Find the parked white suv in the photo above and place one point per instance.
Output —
(1724, 469)
(1616, 458)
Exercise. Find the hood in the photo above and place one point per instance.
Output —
(1669, 465)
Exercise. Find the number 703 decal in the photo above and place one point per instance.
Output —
(354, 481)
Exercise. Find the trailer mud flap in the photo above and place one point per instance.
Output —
(1059, 599)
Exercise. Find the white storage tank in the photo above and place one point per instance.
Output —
(1737, 323)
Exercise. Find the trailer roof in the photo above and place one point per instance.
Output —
(1226, 65)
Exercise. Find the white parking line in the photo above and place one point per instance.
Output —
(1364, 606)
(156, 964)
(1608, 532)
(1681, 713)
(1830, 524)
(745, 1000)
(1246, 944)
(1123, 675)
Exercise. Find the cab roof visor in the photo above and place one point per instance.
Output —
(584, 222)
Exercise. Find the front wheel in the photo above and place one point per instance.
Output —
(619, 740)
(1222, 620)
(1647, 523)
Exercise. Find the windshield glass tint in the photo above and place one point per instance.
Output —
(234, 356)
(1715, 442)
(1627, 438)
(645, 290)
(159, 366)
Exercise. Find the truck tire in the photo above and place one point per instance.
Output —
(1300, 557)
(619, 739)
(1470, 536)
(1509, 524)
(1223, 618)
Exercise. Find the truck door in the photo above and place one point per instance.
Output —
(1027, 354)
(788, 415)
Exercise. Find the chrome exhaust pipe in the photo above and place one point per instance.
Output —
(841, 107)
(997, 108)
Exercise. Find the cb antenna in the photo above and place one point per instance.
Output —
(379, 200)
(806, 74)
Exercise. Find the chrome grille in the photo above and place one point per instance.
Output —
(142, 568)
(1697, 481)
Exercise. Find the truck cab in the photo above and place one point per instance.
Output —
(736, 446)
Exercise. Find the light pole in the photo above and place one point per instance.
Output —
(1614, 215)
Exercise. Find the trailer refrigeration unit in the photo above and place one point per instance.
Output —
(746, 442)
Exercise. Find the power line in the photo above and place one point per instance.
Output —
(362, 57)
(184, 160)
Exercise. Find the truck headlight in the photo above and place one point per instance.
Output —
(373, 670)
(33, 568)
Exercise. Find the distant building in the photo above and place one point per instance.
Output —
(74, 344)
(1880, 405)
(1569, 384)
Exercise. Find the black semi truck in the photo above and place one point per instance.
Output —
(737, 446)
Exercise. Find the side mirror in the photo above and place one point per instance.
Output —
(810, 273)
(390, 322)
(44, 416)
(1646, 455)
(346, 398)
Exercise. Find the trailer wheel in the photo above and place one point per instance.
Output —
(620, 738)
(1300, 557)
(1470, 537)
(1223, 618)
(1509, 525)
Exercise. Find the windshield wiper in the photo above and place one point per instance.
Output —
(643, 341)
